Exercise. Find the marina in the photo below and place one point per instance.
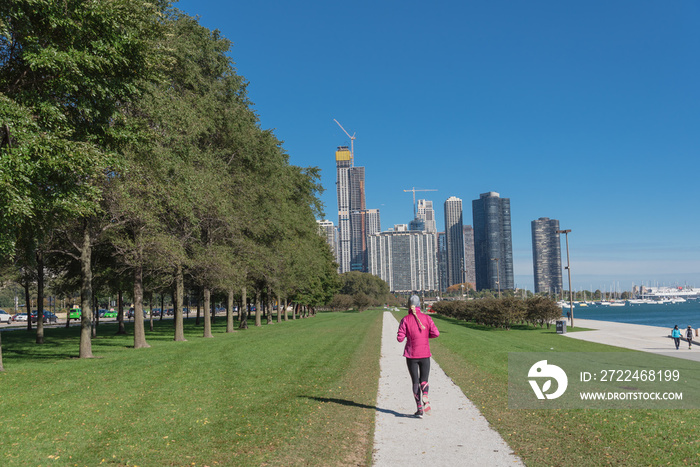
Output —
(667, 314)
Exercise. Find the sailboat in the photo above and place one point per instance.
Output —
(584, 302)
(603, 301)
(616, 300)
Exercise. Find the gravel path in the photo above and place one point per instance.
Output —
(454, 432)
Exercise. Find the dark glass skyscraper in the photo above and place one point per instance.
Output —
(455, 240)
(546, 255)
(493, 242)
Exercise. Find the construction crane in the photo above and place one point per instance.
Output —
(352, 141)
(414, 198)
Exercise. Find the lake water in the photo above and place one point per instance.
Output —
(666, 315)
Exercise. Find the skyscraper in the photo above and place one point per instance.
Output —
(417, 224)
(426, 212)
(328, 231)
(469, 271)
(355, 221)
(546, 255)
(405, 260)
(442, 261)
(493, 242)
(374, 224)
(454, 240)
(343, 162)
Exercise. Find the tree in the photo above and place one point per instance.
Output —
(65, 69)
(541, 311)
(360, 285)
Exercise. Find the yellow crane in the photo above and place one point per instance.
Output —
(414, 189)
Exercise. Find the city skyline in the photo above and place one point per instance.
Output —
(585, 113)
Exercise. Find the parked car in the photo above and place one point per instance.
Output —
(48, 317)
(108, 314)
(20, 317)
(75, 313)
(5, 317)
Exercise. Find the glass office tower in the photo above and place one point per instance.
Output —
(546, 255)
(493, 242)
(454, 237)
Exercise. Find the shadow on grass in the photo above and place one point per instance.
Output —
(61, 343)
(355, 404)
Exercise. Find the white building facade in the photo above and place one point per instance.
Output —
(405, 260)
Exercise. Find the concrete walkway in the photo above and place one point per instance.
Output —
(453, 433)
(636, 337)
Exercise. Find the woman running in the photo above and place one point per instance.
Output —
(417, 328)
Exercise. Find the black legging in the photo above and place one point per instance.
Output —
(419, 369)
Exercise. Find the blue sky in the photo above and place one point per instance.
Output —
(586, 112)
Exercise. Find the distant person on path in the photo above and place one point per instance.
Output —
(676, 334)
(417, 328)
(689, 336)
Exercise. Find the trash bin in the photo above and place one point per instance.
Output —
(561, 327)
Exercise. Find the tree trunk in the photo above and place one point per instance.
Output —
(295, 309)
(120, 313)
(279, 308)
(268, 308)
(139, 330)
(86, 295)
(258, 317)
(179, 293)
(28, 301)
(243, 310)
(162, 305)
(207, 312)
(2, 368)
(286, 317)
(39, 298)
(229, 312)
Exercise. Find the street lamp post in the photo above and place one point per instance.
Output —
(498, 276)
(568, 268)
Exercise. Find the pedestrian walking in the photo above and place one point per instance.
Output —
(676, 334)
(417, 328)
(689, 336)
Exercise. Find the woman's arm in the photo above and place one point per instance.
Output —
(401, 335)
(433, 330)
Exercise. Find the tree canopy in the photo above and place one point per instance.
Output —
(125, 127)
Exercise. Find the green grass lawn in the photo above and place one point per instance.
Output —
(295, 393)
(476, 358)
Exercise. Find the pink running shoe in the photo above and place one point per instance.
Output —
(426, 403)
